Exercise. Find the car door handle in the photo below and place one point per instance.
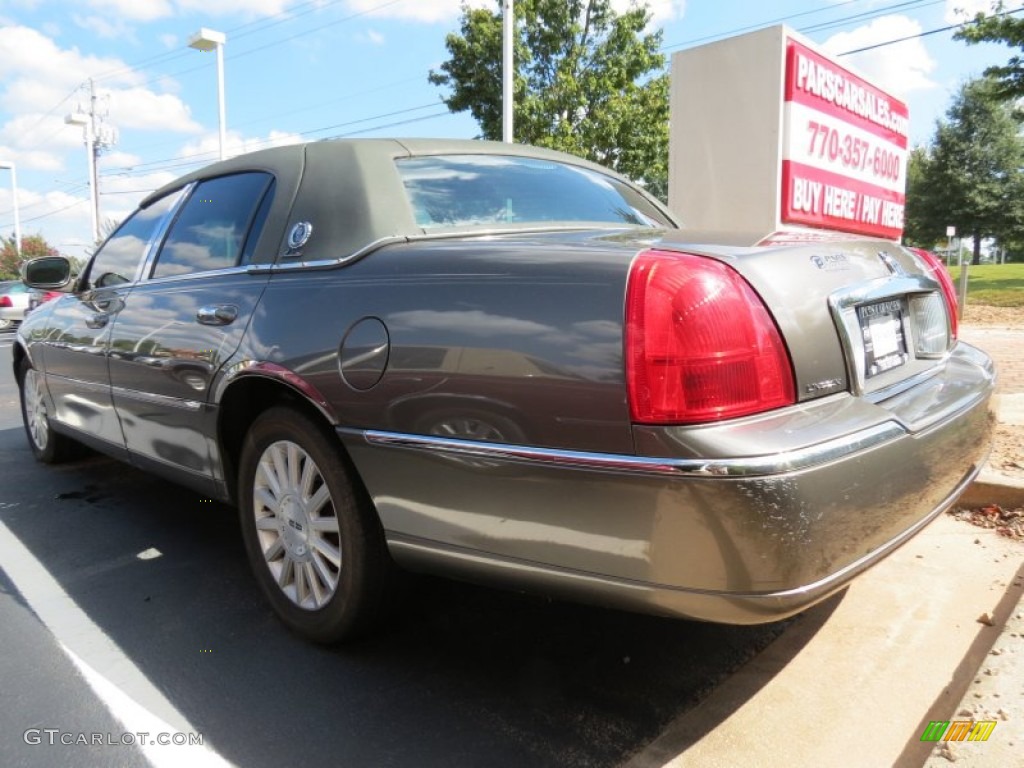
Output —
(219, 314)
(97, 321)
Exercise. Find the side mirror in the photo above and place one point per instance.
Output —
(47, 272)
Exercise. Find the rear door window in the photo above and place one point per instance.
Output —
(217, 225)
(489, 190)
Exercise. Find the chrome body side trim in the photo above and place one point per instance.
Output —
(155, 399)
(752, 466)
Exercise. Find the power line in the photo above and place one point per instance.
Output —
(751, 27)
(309, 7)
(155, 166)
(424, 118)
(929, 32)
(872, 14)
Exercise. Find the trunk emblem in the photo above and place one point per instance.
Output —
(894, 267)
(830, 262)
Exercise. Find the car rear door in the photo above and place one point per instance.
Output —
(184, 319)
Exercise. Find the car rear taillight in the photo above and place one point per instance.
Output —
(700, 343)
(5, 301)
(935, 269)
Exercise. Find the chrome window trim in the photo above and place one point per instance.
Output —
(242, 269)
(160, 232)
(751, 466)
(289, 262)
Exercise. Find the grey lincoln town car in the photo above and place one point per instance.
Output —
(509, 365)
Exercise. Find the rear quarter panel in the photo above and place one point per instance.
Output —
(528, 335)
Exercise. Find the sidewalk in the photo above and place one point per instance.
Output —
(856, 681)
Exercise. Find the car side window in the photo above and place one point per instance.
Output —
(118, 260)
(215, 224)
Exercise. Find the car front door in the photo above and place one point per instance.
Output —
(77, 332)
(183, 320)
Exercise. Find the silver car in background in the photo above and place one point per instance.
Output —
(14, 296)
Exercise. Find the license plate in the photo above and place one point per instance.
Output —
(885, 346)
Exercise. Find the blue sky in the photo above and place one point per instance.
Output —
(297, 70)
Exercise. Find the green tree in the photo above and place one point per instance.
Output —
(920, 227)
(588, 81)
(1000, 27)
(971, 177)
(31, 247)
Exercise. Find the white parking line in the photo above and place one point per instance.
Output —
(114, 678)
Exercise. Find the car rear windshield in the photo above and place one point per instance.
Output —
(495, 190)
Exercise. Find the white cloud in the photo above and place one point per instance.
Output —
(24, 131)
(67, 215)
(428, 11)
(108, 29)
(206, 150)
(433, 11)
(30, 58)
(898, 68)
(142, 108)
(31, 159)
(958, 11)
(169, 41)
(135, 10)
(244, 7)
(661, 10)
(118, 159)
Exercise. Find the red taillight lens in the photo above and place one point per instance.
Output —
(5, 301)
(936, 269)
(700, 344)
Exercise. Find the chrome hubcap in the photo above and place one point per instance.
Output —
(35, 410)
(297, 525)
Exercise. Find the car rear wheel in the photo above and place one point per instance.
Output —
(47, 446)
(311, 534)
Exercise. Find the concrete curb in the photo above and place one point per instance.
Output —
(991, 486)
(989, 489)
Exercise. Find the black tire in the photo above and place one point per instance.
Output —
(47, 446)
(293, 535)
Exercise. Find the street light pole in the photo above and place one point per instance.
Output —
(207, 40)
(14, 195)
(507, 70)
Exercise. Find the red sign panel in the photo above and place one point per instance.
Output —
(844, 161)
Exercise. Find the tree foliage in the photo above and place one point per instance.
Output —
(31, 247)
(971, 176)
(588, 81)
(1000, 27)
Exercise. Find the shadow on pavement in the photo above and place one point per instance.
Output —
(461, 675)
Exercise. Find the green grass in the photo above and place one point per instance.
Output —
(997, 285)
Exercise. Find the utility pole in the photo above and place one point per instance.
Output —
(98, 136)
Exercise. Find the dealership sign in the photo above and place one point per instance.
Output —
(770, 136)
(844, 160)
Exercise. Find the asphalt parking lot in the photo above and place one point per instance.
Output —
(461, 675)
